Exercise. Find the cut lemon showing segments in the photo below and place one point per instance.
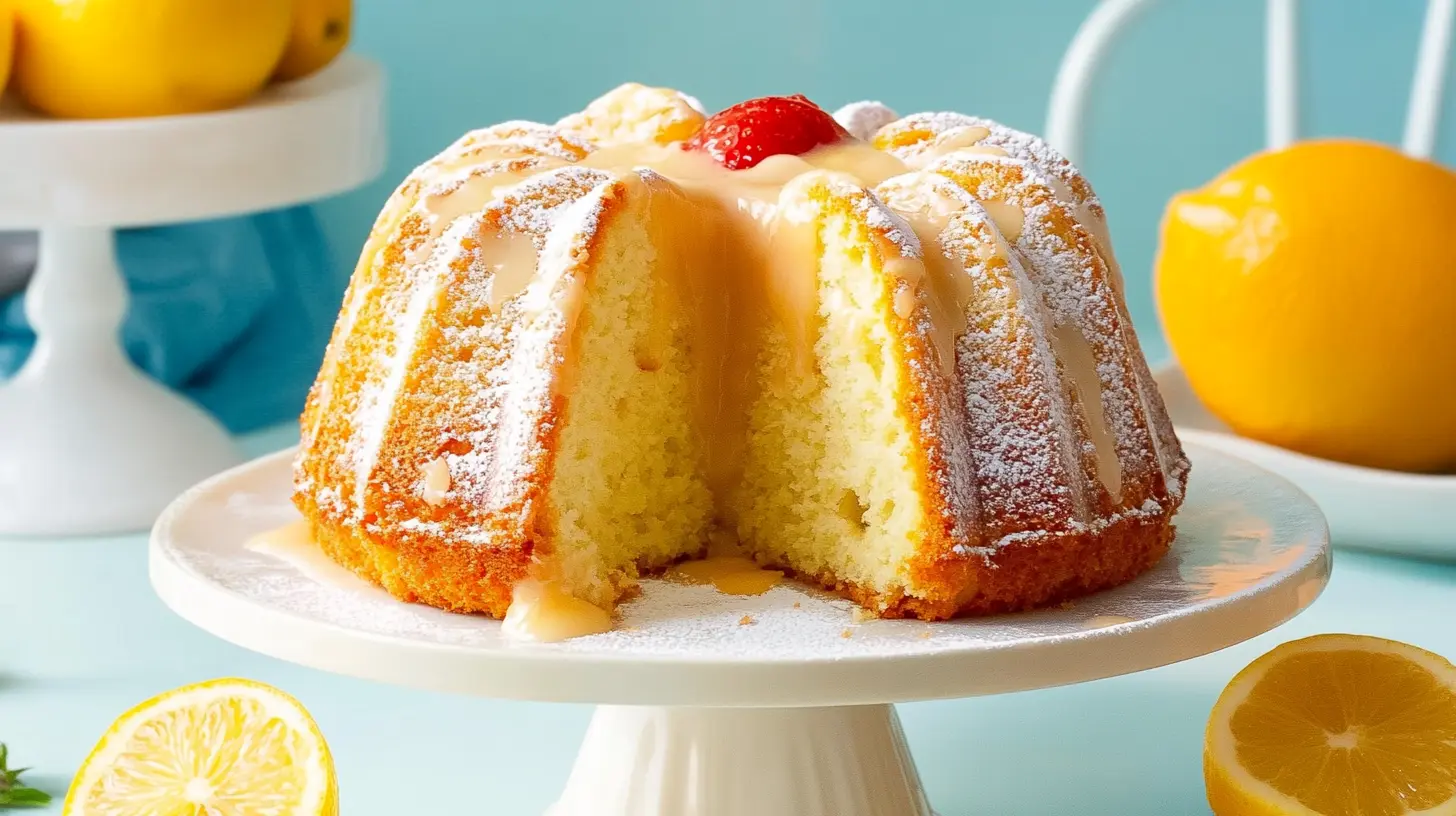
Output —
(1335, 725)
(226, 747)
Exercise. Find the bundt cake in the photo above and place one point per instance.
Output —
(887, 355)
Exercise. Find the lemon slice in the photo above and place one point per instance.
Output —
(224, 748)
(1335, 725)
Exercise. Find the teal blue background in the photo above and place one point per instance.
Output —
(82, 637)
(1178, 101)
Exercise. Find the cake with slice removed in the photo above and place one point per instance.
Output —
(901, 368)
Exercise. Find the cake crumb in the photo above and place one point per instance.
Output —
(798, 605)
(1066, 604)
(746, 620)
(925, 635)
(847, 634)
(859, 615)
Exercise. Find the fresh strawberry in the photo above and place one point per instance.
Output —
(749, 132)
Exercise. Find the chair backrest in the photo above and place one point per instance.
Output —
(1067, 109)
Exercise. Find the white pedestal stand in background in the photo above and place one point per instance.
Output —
(88, 443)
(720, 705)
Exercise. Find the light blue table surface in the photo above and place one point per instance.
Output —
(82, 638)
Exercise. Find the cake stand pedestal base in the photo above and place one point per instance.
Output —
(88, 443)
(836, 761)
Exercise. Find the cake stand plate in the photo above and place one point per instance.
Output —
(88, 443)
(770, 705)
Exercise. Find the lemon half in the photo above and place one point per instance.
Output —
(229, 746)
(1335, 725)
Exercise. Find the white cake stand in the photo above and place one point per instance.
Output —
(774, 705)
(88, 443)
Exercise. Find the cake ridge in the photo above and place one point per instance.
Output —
(1074, 283)
(935, 126)
(523, 140)
(532, 208)
(516, 134)
(1020, 469)
(921, 138)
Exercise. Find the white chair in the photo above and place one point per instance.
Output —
(1111, 18)
(1400, 513)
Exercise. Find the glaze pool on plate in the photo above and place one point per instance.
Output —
(1399, 513)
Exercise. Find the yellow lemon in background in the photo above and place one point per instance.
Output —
(1335, 725)
(225, 746)
(7, 42)
(1309, 294)
(116, 58)
(320, 33)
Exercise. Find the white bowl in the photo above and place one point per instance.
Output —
(1389, 511)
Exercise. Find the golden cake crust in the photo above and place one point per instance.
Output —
(1027, 574)
(416, 550)
(423, 569)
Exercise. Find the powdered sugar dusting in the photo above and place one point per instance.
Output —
(890, 224)
(635, 113)
(532, 137)
(694, 103)
(500, 150)
(557, 210)
(939, 133)
(1024, 456)
(538, 205)
(1065, 268)
(789, 622)
(796, 203)
(864, 119)
(924, 138)
(449, 183)
(672, 618)
(1013, 452)
(934, 122)
(498, 420)
(377, 402)
(1028, 147)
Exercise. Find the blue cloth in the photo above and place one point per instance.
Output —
(234, 312)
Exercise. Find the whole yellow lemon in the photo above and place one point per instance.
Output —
(320, 33)
(95, 59)
(1310, 295)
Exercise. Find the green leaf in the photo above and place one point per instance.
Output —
(24, 797)
(12, 793)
